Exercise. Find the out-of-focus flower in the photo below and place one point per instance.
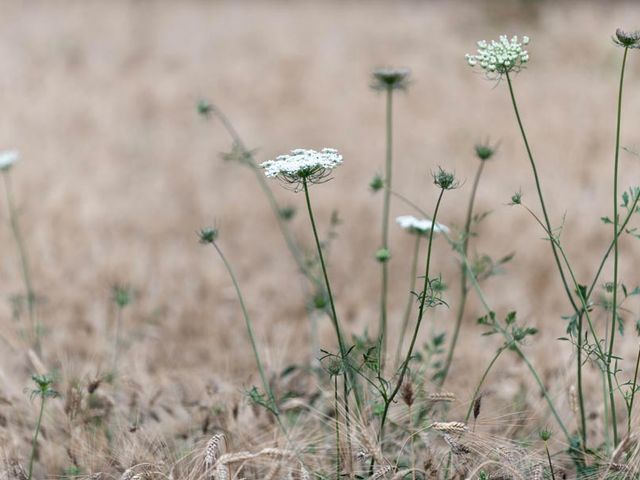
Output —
(390, 78)
(8, 158)
(627, 39)
(500, 57)
(303, 166)
(420, 226)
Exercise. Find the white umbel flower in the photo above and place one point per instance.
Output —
(500, 57)
(303, 165)
(8, 158)
(420, 226)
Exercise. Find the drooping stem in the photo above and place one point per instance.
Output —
(249, 326)
(334, 314)
(423, 297)
(24, 260)
(411, 299)
(481, 382)
(382, 331)
(614, 315)
(34, 443)
(464, 288)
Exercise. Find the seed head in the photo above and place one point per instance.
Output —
(303, 166)
(122, 295)
(408, 395)
(449, 427)
(7, 159)
(516, 198)
(627, 39)
(420, 227)
(376, 183)
(545, 435)
(390, 79)
(445, 180)
(484, 151)
(208, 235)
(383, 255)
(499, 57)
(204, 108)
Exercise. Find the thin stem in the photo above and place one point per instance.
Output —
(334, 315)
(410, 300)
(337, 422)
(248, 324)
(423, 298)
(633, 392)
(546, 447)
(35, 438)
(481, 382)
(539, 189)
(614, 319)
(116, 342)
(382, 332)
(464, 289)
(24, 260)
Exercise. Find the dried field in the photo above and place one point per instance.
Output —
(118, 172)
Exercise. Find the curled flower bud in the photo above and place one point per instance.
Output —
(7, 159)
(484, 151)
(208, 235)
(445, 180)
(376, 183)
(390, 78)
(303, 166)
(499, 57)
(516, 198)
(383, 255)
(204, 108)
(627, 39)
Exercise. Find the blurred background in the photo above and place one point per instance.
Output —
(118, 171)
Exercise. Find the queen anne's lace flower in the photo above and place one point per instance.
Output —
(8, 158)
(627, 39)
(303, 166)
(390, 78)
(500, 57)
(420, 227)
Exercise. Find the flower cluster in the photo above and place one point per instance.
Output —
(420, 227)
(627, 39)
(303, 166)
(390, 78)
(7, 159)
(500, 57)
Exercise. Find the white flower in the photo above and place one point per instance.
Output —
(420, 227)
(499, 57)
(303, 165)
(8, 158)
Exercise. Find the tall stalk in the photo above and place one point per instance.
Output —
(464, 289)
(24, 260)
(382, 331)
(34, 442)
(614, 319)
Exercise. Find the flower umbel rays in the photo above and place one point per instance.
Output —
(390, 78)
(627, 39)
(420, 227)
(303, 166)
(8, 158)
(499, 57)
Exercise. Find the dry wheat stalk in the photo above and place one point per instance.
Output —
(442, 397)
(381, 472)
(371, 446)
(449, 427)
(212, 450)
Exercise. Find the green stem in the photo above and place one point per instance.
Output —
(464, 289)
(382, 333)
(546, 447)
(481, 382)
(334, 315)
(614, 320)
(337, 422)
(35, 438)
(423, 297)
(24, 260)
(540, 196)
(633, 392)
(411, 299)
(248, 324)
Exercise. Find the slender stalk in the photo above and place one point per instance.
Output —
(464, 289)
(583, 417)
(539, 189)
(248, 324)
(24, 260)
(546, 447)
(337, 422)
(405, 364)
(633, 392)
(382, 331)
(334, 315)
(481, 382)
(614, 319)
(116, 342)
(410, 300)
(35, 437)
